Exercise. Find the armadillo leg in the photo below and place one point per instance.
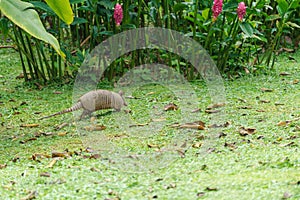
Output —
(85, 113)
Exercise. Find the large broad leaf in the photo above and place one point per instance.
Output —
(22, 14)
(247, 29)
(63, 9)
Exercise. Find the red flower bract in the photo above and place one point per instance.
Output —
(241, 10)
(118, 14)
(217, 8)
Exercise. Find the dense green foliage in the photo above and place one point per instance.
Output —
(235, 44)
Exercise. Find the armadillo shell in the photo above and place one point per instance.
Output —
(101, 99)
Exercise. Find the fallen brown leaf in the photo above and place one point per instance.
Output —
(39, 155)
(152, 145)
(211, 189)
(20, 76)
(170, 106)
(197, 145)
(226, 124)
(45, 174)
(39, 86)
(95, 156)
(264, 101)
(288, 144)
(61, 126)
(59, 154)
(200, 194)
(296, 81)
(16, 158)
(231, 146)
(57, 92)
(95, 128)
(94, 169)
(212, 111)
(287, 122)
(172, 185)
(159, 119)
(2, 166)
(245, 107)
(136, 125)
(150, 93)
(62, 133)
(31, 195)
(51, 163)
(221, 134)
(25, 141)
(284, 74)
(247, 131)
(266, 90)
(242, 100)
(196, 110)
(193, 125)
(29, 125)
(216, 105)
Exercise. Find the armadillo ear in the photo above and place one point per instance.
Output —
(121, 93)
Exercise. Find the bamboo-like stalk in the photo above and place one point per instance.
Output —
(25, 51)
(20, 53)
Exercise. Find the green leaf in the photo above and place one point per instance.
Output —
(63, 9)
(43, 6)
(294, 4)
(247, 29)
(22, 14)
(273, 17)
(293, 24)
(79, 20)
(179, 7)
(282, 7)
(205, 13)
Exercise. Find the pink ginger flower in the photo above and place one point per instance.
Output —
(118, 14)
(241, 10)
(217, 8)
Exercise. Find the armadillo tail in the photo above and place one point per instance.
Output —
(77, 106)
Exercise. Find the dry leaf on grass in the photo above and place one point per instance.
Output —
(170, 106)
(31, 195)
(212, 111)
(136, 125)
(284, 74)
(216, 105)
(56, 154)
(62, 133)
(247, 131)
(287, 122)
(51, 163)
(29, 125)
(192, 125)
(45, 174)
(2, 166)
(266, 90)
(61, 126)
(95, 128)
(25, 141)
(264, 101)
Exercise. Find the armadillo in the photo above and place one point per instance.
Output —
(95, 100)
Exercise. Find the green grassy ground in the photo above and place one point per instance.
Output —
(263, 165)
